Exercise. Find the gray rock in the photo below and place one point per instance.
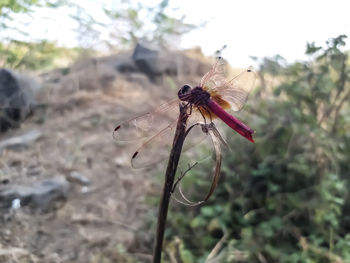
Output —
(76, 177)
(153, 61)
(20, 141)
(126, 65)
(42, 195)
(16, 98)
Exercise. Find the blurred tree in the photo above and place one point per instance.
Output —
(10, 7)
(139, 21)
(121, 24)
(270, 67)
(40, 55)
(128, 22)
(16, 53)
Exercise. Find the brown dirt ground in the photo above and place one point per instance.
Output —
(106, 221)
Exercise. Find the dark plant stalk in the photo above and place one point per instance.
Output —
(180, 135)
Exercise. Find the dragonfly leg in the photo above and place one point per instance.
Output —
(191, 105)
(205, 120)
(208, 111)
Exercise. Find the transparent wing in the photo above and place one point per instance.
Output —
(235, 91)
(148, 124)
(156, 149)
(216, 77)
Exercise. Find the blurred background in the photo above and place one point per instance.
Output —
(71, 70)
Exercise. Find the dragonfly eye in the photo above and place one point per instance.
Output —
(184, 91)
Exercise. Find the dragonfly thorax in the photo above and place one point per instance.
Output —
(196, 96)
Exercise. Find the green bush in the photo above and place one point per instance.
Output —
(285, 198)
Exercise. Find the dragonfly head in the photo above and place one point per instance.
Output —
(184, 92)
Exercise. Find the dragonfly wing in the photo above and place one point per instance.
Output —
(236, 90)
(157, 148)
(148, 124)
(216, 76)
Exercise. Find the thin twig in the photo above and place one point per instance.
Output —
(180, 135)
(183, 175)
(215, 251)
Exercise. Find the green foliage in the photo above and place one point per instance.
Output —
(25, 6)
(42, 55)
(17, 6)
(10, 7)
(285, 198)
(16, 53)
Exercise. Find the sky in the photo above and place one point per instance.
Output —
(248, 28)
(266, 28)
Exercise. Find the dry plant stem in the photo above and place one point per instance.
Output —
(180, 135)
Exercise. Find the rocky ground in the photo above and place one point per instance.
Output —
(67, 192)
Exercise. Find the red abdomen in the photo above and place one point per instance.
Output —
(231, 121)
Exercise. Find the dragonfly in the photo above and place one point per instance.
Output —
(211, 99)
